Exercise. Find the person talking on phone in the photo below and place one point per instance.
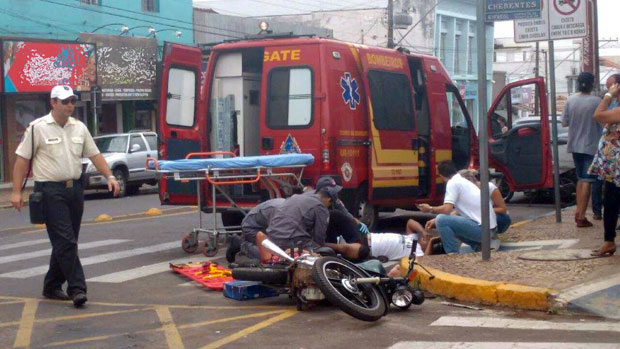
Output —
(52, 147)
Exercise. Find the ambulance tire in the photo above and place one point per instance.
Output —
(365, 211)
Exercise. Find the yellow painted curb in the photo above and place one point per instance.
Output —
(483, 291)
(40, 226)
(103, 218)
(153, 212)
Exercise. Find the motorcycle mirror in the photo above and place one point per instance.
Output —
(273, 248)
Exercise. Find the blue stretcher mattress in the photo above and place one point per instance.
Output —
(281, 160)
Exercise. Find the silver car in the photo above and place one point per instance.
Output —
(126, 154)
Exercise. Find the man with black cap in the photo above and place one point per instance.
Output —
(303, 218)
(583, 137)
(53, 146)
(341, 221)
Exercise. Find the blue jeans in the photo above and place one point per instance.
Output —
(503, 222)
(455, 228)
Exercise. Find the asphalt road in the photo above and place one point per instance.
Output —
(135, 301)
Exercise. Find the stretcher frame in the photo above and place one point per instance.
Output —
(219, 177)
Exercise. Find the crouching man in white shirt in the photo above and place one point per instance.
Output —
(464, 196)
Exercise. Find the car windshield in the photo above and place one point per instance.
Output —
(116, 144)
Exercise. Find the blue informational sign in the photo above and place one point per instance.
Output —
(507, 10)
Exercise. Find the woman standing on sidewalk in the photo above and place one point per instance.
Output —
(606, 166)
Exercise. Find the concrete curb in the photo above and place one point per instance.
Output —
(486, 292)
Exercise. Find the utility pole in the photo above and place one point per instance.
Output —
(390, 33)
(537, 74)
(554, 136)
(362, 36)
(483, 146)
(597, 68)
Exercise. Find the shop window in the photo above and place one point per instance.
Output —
(150, 5)
(392, 106)
(180, 106)
(289, 100)
(142, 120)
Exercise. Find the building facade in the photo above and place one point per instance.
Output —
(455, 43)
(80, 42)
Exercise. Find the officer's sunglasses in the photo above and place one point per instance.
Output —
(71, 100)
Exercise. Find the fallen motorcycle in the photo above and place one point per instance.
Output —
(362, 290)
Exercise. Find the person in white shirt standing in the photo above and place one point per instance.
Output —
(464, 196)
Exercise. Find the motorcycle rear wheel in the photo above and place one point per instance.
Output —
(364, 302)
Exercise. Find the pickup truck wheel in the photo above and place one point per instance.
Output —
(121, 178)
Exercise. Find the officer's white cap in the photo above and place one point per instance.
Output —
(62, 92)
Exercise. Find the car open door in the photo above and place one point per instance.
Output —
(393, 158)
(521, 152)
(181, 114)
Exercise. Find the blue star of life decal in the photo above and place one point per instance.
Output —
(350, 95)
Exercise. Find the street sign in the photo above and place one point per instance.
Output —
(506, 10)
(560, 19)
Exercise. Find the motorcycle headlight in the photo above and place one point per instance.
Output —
(402, 297)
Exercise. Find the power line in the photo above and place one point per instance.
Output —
(144, 20)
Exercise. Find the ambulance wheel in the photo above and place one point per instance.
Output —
(208, 249)
(366, 211)
(189, 244)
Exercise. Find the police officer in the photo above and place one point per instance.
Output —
(59, 143)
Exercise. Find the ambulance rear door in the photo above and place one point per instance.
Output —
(182, 124)
(393, 159)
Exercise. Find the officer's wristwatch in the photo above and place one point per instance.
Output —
(608, 95)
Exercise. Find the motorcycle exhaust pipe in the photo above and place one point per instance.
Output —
(273, 248)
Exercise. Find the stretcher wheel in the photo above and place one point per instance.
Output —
(208, 249)
(189, 244)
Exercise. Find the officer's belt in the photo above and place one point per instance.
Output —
(62, 184)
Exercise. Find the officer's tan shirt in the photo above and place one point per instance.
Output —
(58, 150)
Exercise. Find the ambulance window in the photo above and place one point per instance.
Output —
(181, 97)
(289, 100)
(459, 127)
(392, 105)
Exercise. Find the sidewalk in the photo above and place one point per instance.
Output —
(591, 285)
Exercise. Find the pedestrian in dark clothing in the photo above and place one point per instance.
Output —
(54, 144)
(583, 135)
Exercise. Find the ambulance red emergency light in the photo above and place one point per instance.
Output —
(378, 120)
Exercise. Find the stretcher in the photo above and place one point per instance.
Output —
(274, 172)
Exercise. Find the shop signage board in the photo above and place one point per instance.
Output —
(126, 66)
(506, 10)
(560, 19)
(37, 66)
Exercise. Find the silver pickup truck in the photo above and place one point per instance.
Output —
(126, 155)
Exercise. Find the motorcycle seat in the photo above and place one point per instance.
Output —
(373, 266)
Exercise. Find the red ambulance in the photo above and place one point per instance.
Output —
(377, 120)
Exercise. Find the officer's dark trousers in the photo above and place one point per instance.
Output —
(63, 210)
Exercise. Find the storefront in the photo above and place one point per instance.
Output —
(30, 69)
(126, 74)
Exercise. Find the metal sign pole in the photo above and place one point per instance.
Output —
(483, 147)
(554, 135)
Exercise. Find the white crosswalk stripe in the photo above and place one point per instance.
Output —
(503, 345)
(47, 252)
(140, 272)
(520, 324)
(107, 257)
(23, 244)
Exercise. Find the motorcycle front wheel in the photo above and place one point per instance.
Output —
(333, 277)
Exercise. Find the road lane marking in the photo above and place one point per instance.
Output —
(23, 244)
(107, 257)
(24, 333)
(518, 324)
(200, 324)
(495, 345)
(250, 330)
(582, 290)
(173, 337)
(140, 272)
(48, 251)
